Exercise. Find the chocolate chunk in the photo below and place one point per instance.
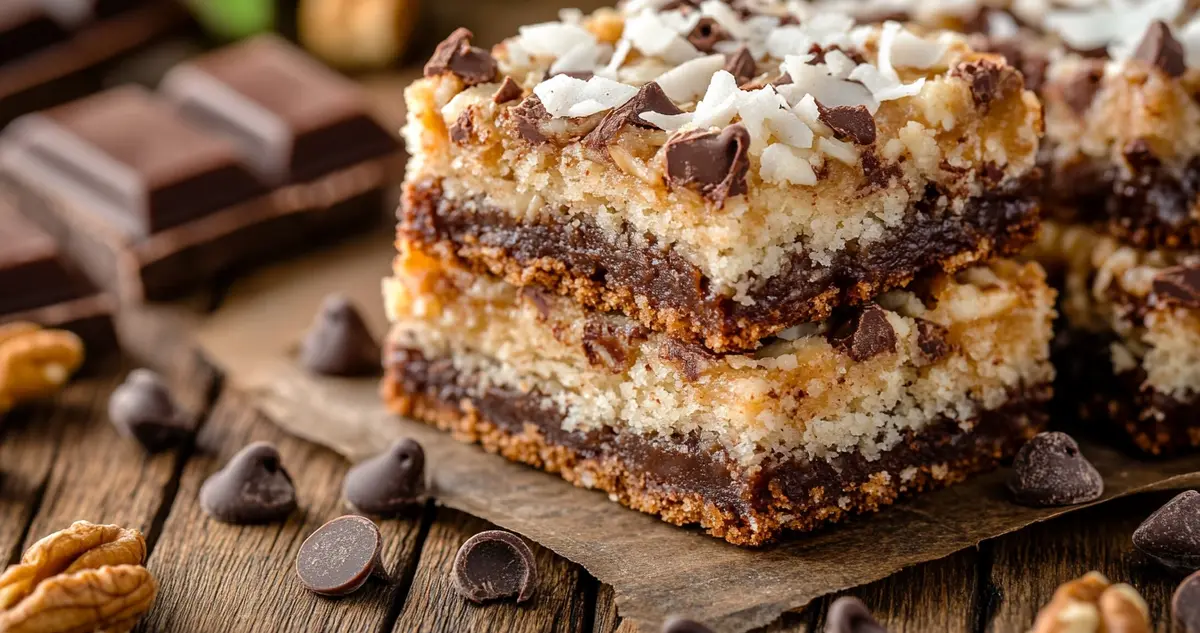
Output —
(1172, 534)
(1031, 63)
(876, 172)
(691, 358)
(608, 345)
(1178, 285)
(463, 128)
(852, 123)
(508, 91)
(252, 488)
(456, 55)
(705, 35)
(1159, 48)
(493, 565)
(1049, 471)
(989, 80)
(339, 558)
(143, 408)
(683, 625)
(338, 343)
(529, 116)
(741, 65)
(849, 615)
(931, 338)
(713, 163)
(1185, 605)
(865, 335)
(649, 98)
(1080, 90)
(389, 483)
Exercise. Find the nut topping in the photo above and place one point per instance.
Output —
(1092, 604)
(34, 363)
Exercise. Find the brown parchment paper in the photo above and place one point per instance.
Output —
(656, 569)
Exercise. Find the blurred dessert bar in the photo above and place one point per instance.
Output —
(246, 153)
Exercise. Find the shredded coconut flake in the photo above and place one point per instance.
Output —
(840, 150)
(668, 122)
(653, 36)
(910, 51)
(689, 80)
(720, 102)
(784, 164)
(616, 61)
(553, 38)
(565, 96)
(585, 56)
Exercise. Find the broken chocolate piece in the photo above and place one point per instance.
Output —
(252, 488)
(1050, 471)
(493, 565)
(849, 615)
(529, 116)
(508, 91)
(456, 55)
(683, 625)
(339, 558)
(463, 128)
(1080, 90)
(649, 98)
(741, 65)
(1172, 534)
(692, 359)
(705, 35)
(143, 408)
(849, 123)
(931, 338)
(990, 81)
(339, 343)
(1160, 49)
(876, 173)
(865, 335)
(1178, 285)
(1185, 605)
(713, 163)
(607, 345)
(389, 483)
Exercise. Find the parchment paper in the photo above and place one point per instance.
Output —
(656, 569)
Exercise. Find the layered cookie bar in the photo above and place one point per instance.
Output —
(916, 389)
(719, 172)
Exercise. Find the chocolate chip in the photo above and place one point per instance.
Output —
(931, 338)
(339, 343)
(144, 409)
(849, 615)
(692, 359)
(528, 117)
(389, 483)
(609, 345)
(1185, 605)
(341, 556)
(876, 173)
(1049, 471)
(649, 98)
(463, 128)
(741, 65)
(853, 123)
(989, 80)
(1178, 285)
(705, 35)
(1159, 48)
(864, 335)
(456, 55)
(493, 565)
(508, 91)
(1080, 90)
(683, 625)
(713, 163)
(783, 80)
(1172, 534)
(252, 488)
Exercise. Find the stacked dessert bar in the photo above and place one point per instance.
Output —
(732, 267)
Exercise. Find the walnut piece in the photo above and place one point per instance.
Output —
(35, 362)
(1092, 604)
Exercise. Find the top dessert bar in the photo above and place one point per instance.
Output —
(719, 172)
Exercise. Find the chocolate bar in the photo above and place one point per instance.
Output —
(153, 195)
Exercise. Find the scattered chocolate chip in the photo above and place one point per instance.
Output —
(456, 55)
(341, 556)
(705, 35)
(989, 80)
(508, 91)
(463, 128)
(864, 335)
(495, 564)
(1031, 63)
(608, 345)
(1049, 471)
(649, 98)
(683, 625)
(1172, 534)
(992, 173)
(691, 358)
(1159, 48)
(1178, 285)
(529, 116)
(339, 343)
(783, 80)
(389, 483)
(849, 615)
(931, 338)
(876, 172)
(144, 409)
(741, 65)
(1080, 90)
(1185, 605)
(853, 123)
(713, 163)
(252, 488)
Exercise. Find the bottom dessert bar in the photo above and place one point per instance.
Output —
(1130, 352)
(917, 391)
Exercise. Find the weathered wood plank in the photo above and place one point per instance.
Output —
(433, 606)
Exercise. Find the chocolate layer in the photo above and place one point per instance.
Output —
(687, 481)
(668, 293)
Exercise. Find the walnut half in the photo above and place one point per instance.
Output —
(1092, 604)
(35, 362)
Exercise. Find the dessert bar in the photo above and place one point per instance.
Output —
(915, 390)
(231, 164)
(719, 174)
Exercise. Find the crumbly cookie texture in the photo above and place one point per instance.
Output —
(854, 384)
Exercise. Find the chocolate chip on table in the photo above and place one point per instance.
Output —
(865, 335)
(1172, 534)
(389, 483)
(849, 123)
(1050, 471)
(252, 488)
(849, 615)
(1178, 285)
(339, 558)
(456, 55)
(683, 625)
(1160, 49)
(741, 65)
(495, 564)
(1185, 605)
(143, 408)
(339, 343)
(713, 163)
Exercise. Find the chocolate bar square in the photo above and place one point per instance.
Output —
(26, 26)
